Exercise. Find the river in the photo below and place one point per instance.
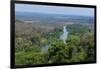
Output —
(63, 37)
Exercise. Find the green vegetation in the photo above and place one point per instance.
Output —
(79, 45)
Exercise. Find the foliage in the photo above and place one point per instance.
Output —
(79, 46)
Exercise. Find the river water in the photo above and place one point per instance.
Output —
(63, 37)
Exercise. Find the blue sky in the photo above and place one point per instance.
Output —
(54, 9)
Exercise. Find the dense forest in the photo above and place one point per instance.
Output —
(40, 44)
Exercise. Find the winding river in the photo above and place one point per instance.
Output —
(63, 37)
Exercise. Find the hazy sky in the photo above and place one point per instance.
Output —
(54, 9)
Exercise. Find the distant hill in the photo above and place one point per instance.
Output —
(52, 18)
